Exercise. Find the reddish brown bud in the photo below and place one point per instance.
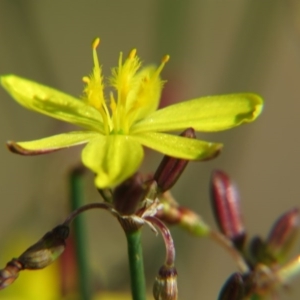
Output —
(283, 233)
(165, 285)
(46, 250)
(10, 273)
(171, 168)
(233, 288)
(226, 206)
(128, 194)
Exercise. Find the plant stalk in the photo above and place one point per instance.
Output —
(136, 265)
(77, 200)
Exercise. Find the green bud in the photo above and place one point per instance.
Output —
(46, 250)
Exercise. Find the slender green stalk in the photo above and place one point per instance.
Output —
(136, 265)
(77, 200)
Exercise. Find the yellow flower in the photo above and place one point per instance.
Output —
(118, 124)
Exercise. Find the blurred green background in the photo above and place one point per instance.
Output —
(215, 47)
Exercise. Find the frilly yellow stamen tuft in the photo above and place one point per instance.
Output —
(93, 91)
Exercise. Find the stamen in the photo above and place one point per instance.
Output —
(95, 88)
(164, 60)
(113, 104)
(120, 61)
(95, 44)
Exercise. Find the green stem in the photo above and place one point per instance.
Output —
(77, 200)
(136, 265)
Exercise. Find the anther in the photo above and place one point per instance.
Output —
(95, 43)
(165, 59)
(132, 54)
(85, 79)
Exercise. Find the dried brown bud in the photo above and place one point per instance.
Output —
(226, 206)
(46, 250)
(283, 233)
(128, 194)
(10, 273)
(165, 285)
(171, 168)
(233, 288)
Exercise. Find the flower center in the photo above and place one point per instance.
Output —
(136, 92)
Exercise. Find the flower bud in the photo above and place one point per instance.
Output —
(165, 285)
(10, 273)
(128, 194)
(193, 223)
(233, 289)
(169, 213)
(171, 168)
(226, 206)
(283, 233)
(46, 250)
(258, 252)
(174, 214)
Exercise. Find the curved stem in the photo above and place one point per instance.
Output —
(136, 265)
(84, 208)
(169, 243)
(228, 246)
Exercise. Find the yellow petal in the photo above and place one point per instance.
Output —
(113, 158)
(212, 113)
(178, 146)
(52, 103)
(52, 143)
